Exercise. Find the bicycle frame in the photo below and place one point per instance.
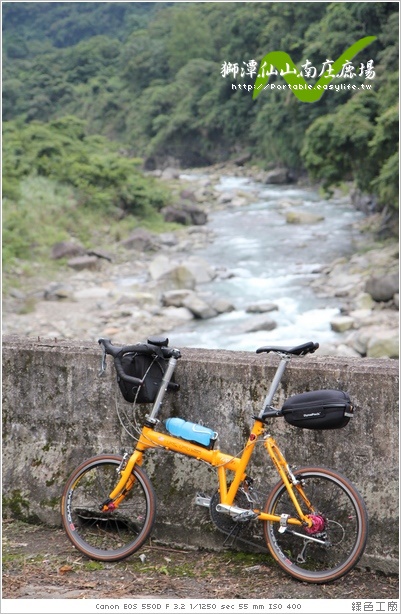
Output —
(149, 438)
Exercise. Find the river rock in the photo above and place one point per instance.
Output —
(135, 298)
(200, 269)
(188, 195)
(221, 305)
(186, 214)
(200, 308)
(178, 276)
(141, 240)
(384, 344)
(58, 291)
(361, 317)
(175, 298)
(257, 323)
(84, 262)
(168, 239)
(170, 173)
(302, 217)
(66, 249)
(225, 197)
(341, 323)
(262, 307)
(278, 176)
(382, 288)
(178, 313)
(175, 275)
(363, 301)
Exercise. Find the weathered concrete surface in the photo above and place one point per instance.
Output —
(58, 412)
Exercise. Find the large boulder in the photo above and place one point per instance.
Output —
(383, 288)
(186, 214)
(221, 305)
(340, 324)
(173, 275)
(176, 298)
(141, 240)
(200, 269)
(278, 176)
(200, 308)
(66, 249)
(383, 344)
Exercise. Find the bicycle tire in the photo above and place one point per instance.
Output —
(113, 535)
(345, 530)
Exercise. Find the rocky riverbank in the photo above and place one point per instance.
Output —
(151, 283)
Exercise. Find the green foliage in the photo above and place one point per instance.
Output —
(148, 75)
(335, 144)
(60, 150)
(62, 183)
(359, 140)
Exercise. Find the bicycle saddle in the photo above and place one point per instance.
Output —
(298, 350)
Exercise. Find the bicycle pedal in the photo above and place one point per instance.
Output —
(202, 500)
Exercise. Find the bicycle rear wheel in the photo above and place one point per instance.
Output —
(111, 535)
(336, 543)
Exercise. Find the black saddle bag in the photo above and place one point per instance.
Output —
(319, 409)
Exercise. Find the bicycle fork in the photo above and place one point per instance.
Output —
(291, 483)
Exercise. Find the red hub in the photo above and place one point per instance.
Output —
(318, 524)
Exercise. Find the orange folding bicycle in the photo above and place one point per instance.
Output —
(314, 520)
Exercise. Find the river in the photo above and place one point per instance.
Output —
(270, 260)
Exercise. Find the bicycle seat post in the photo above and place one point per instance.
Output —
(275, 383)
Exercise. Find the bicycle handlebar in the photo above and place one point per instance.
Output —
(149, 349)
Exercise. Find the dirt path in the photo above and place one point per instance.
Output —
(40, 563)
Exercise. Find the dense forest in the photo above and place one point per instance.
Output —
(94, 92)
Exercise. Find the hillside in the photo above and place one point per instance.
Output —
(93, 93)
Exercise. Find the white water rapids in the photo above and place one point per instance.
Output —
(271, 260)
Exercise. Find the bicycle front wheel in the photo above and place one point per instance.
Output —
(336, 542)
(111, 535)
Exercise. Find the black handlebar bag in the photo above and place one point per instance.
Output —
(151, 368)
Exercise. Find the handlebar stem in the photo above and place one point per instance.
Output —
(152, 418)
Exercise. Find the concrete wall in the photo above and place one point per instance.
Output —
(58, 412)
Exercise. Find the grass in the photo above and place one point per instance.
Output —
(47, 212)
(23, 546)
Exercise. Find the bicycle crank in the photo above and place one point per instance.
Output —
(238, 514)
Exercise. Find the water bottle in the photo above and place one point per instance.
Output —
(195, 433)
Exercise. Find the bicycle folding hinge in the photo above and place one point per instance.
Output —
(283, 523)
(292, 477)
